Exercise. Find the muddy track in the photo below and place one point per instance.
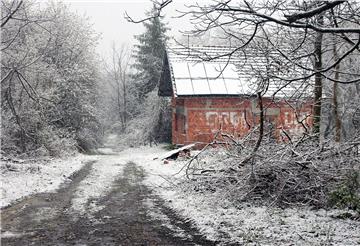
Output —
(121, 217)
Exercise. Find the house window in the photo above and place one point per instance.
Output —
(180, 120)
(181, 123)
(176, 122)
(288, 119)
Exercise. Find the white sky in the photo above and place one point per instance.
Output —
(108, 19)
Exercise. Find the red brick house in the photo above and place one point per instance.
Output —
(212, 94)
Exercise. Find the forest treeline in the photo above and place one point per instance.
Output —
(58, 96)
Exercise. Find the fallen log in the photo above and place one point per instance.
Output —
(174, 153)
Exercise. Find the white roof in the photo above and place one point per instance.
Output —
(207, 79)
(194, 74)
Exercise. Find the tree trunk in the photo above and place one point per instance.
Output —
(335, 94)
(124, 101)
(318, 80)
(17, 117)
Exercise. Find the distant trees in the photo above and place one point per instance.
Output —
(131, 106)
(119, 84)
(48, 79)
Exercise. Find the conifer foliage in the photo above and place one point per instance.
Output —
(150, 54)
(155, 117)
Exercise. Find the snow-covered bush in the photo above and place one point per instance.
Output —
(347, 195)
(57, 142)
(152, 125)
(283, 174)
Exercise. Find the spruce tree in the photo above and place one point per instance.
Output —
(155, 113)
(149, 55)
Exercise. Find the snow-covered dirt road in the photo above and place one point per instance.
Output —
(105, 203)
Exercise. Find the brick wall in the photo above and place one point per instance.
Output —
(197, 119)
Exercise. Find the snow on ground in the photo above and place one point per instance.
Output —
(25, 178)
(156, 213)
(106, 151)
(104, 172)
(218, 219)
(8, 234)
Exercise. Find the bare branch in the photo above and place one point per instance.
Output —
(308, 14)
(268, 18)
(10, 16)
(159, 7)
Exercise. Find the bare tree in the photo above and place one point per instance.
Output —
(335, 96)
(120, 71)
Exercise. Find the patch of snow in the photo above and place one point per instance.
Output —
(176, 151)
(219, 220)
(29, 177)
(9, 234)
(112, 136)
(45, 213)
(97, 182)
(106, 151)
(159, 173)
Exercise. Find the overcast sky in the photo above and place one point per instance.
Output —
(108, 19)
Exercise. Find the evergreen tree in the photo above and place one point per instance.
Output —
(149, 55)
(154, 119)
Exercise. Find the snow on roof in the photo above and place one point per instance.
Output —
(210, 71)
(207, 79)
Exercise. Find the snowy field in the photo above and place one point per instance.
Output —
(219, 220)
(24, 178)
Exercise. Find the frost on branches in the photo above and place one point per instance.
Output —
(48, 80)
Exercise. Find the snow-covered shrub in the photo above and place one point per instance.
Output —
(153, 125)
(347, 195)
(87, 140)
(283, 174)
(56, 142)
(9, 141)
(38, 139)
